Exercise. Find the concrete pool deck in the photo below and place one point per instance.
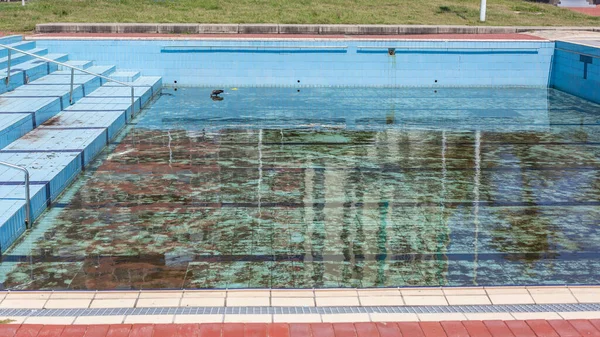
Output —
(301, 306)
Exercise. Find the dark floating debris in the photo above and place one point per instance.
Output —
(216, 93)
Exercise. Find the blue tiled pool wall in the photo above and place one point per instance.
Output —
(576, 70)
(323, 62)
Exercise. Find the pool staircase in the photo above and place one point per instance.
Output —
(53, 122)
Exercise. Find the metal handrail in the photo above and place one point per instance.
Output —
(72, 73)
(27, 201)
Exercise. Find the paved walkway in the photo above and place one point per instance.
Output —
(532, 328)
(301, 306)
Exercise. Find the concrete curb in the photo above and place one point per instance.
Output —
(179, 28)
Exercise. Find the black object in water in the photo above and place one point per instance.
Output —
(216, 93)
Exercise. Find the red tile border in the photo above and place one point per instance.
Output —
(299, 330)
(563, 328)
(79, 331)
(8, 330)
(141, 330)
(122, 330)
(183, 330)
(210, 330)
(477, 328)
(322, 329)
(585, 328)
(532, 328)
(344, 330)
(412, 329)
(96, 331)
(388, 330)
(433, 329)
(291, 36)
(255, 330)
(279, 330)
(542, 328)
(498, 329)
(164, 330)
(520, 329)
(455, 329)
(366, 330)
(29, 330)
(233, 330)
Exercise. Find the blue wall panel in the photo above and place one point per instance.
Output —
(569, 72)
(322, 62)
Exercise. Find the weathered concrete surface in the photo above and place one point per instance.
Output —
(571, 35)
(299, 29)
(258, 29)
(218, 28)
(377, 30)
(338, 29)
(97, 27)
(137, 28)
(417, 30)
(177, 28)
(56, 28)
(456, 30)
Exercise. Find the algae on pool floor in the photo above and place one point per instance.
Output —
(332, 199)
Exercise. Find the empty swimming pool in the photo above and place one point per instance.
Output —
(331, 187)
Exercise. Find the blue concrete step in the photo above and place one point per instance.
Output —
(26, 72)
(106, 104)
(13, 126)
(11, 39)
(68, 141)
(112, 121)
(115, 97)
(21, 45)
(143, 93)
(88, 141)
(102, 70)
(154, 82)
(77, 64)
(49, 173)
(41, 108)
(125, 76)
(56, 91)
(89, 82)
(40, 100)
(17, 58)
(69, 137)
(12, 209)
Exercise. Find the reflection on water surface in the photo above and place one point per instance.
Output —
(354, 187)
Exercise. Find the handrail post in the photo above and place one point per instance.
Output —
(132, 101)
(71, 91)
(27, 197)
(8, 68)
(27, 200)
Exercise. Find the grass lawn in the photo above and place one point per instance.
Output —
(14, 18)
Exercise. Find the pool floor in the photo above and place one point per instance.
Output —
(331, 187)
